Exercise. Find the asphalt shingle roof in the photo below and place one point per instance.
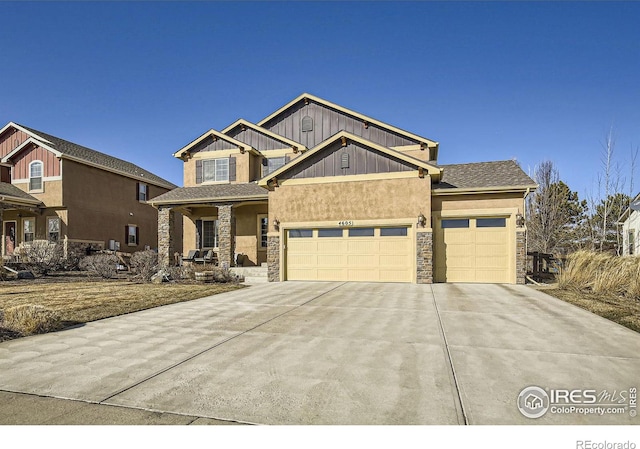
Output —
(212, 193)
(483, 174)
(10, 190)
(100, 159)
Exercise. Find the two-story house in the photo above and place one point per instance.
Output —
(55, 190)
(322, 192)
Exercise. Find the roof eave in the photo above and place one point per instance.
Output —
(208, 200)
(265, 131)
(472, 190)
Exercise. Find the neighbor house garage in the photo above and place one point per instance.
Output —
(326, 193)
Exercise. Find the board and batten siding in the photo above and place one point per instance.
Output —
(257, 140)
(24, 158)
(209, 144)
(326, 123)
(361, 161)
(11, 139)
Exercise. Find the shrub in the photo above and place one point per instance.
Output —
(41, 257)
(145, 263)
(31, 319)
(102, 265)
(601, 273)
(222, 275)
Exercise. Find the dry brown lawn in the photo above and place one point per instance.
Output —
(620, 309)
(81, 301)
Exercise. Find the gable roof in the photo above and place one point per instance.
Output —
(627, 212)
(13, 195)
(495, 175)
(72, 151)
(259, 129)
(431, 169)
(216, 134)
(429, 142)
(211, 194)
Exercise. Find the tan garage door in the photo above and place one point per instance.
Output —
(473, 250)
(374, 254)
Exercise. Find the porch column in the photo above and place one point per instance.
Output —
(166, 247)
(226, 235)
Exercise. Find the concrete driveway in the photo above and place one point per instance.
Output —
(334, 353)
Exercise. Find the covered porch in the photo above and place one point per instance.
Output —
(228, 219)
(18, 210)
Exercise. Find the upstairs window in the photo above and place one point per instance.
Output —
(143, 192)
(269, 165)
(35, 176)
(215, 170)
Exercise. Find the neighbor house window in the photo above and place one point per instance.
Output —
(132, 235)
(29, 229)
(53, 229)
(143, 192)
(215, 170)
(35, 176)
(632, 242)
(272, 164)
(209, 233)
(263, 225)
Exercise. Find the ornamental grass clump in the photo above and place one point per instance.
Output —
(31, 319)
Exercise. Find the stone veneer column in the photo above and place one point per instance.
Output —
(166, 247)
(226, 235)
(521, 255)
(424, 256)
(273, 258)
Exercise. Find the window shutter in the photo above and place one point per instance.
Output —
(232, 168)
(137, 235)
(199, 171)
(126, 234)
(198, 234)
(138, 191)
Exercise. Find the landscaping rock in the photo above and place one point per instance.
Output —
(160, 277)
(24, 274)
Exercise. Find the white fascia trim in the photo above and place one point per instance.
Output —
(30, 140)
(32, 134)
(26, 181)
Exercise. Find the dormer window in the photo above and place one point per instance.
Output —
(35, 176)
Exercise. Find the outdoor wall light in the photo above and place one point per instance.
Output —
(276, 224)
(422, 220)
(519, 220)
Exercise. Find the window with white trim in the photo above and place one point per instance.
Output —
(132, 235)
(215, 170)
(53, 229)
(143, 192)
(35, 176)
(28, 229)
(209, 233)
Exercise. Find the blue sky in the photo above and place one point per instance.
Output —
(488, 80)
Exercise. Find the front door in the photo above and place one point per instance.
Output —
(9, 237)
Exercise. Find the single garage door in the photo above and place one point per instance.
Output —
(372, 254)
(473, 250)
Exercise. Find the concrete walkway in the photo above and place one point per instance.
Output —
(320, 353)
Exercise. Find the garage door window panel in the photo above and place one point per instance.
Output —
(491, 223)
(361, 232)
(393, 232)
(455, 223)
(323, 233)
(300, 233)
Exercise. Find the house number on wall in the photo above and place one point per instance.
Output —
(345, 223)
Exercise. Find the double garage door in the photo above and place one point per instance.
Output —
(372, 254)
(473, 250)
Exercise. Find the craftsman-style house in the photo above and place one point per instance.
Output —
(55, 190)
(321, 192)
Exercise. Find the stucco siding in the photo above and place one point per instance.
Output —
(51, 194)
(482, 201)
(357, 200)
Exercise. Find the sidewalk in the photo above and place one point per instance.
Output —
(19, 408)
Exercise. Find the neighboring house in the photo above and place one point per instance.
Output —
(55, 190)
(321, 192)
(630, 220)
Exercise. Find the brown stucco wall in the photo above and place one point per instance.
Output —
(356, 200)
(101, 204)
(478, 201)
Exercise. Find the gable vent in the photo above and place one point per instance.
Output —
(307, 124)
